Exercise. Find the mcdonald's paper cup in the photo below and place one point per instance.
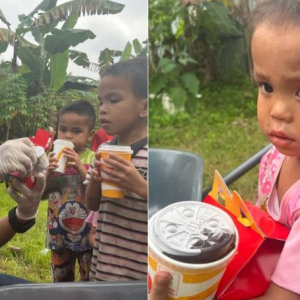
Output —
(59, 146)
(110, 189)
(194, 242)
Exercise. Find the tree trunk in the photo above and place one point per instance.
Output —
(14, 60)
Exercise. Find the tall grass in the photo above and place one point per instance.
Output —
(31, 261)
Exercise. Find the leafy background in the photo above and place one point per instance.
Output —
(202, 97)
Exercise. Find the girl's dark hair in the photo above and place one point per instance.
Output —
(276, 12)
(136, 70)
(81, 108)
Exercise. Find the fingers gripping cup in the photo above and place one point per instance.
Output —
(59, 147)
(110, 189)
(194, 242)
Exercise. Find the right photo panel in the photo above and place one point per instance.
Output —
(224, 167)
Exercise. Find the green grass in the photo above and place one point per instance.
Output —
(222, 128)
(31, 262)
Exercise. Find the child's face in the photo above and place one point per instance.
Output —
(121, 112)
(276, 59)
(74, 128)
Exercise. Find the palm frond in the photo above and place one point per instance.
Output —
(78, 8)
(3, 19)
(11, 37)
(7, 36)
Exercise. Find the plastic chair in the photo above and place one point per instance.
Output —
(136, 290)
(173, 176)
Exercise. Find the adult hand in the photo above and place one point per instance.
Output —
(17, 156)
(160, 286)
(29, 200)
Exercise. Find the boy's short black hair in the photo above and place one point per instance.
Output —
(136, 70)
(81, 108)
(276, 12)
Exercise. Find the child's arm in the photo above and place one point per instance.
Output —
(92, 221)
(126, 175)
(75, 162)
(53, 164)
(276, 292)
(93, 189)
(92, 235)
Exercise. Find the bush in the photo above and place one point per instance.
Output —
(21, 116)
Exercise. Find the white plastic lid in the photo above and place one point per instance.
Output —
(64, 142)
(190, 227)
(126, 149)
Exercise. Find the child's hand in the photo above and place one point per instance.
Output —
(96, 173)
(160, 288)
(73, 158)
(53, 163)
(124, 174)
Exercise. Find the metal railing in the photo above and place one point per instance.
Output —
(242, 169)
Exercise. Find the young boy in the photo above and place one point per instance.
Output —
(120, 250)
(67, 231)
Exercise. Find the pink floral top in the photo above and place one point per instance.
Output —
(287, 272)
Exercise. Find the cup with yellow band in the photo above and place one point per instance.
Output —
(59, 147)
(194, 242)
(110, 189)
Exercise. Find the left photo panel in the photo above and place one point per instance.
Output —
(74, 149)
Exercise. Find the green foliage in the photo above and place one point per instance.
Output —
(21, 116)
(42, 107)
(79, 58)
(108, 57)
(188, 46)
(77, 8)
(61, 40)
(222, 129)
(45, 65)
(13, 101)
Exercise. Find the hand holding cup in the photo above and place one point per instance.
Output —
(17, 156)
(28, 199)
(113, 159)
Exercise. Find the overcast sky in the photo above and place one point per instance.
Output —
(112, 31)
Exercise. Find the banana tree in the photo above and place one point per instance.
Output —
(108, 57)
(45, 64)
